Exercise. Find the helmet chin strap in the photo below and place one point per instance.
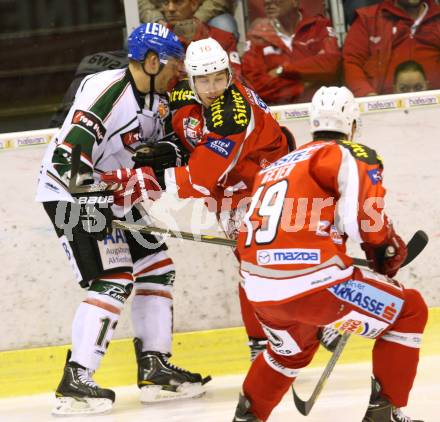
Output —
(152, 78)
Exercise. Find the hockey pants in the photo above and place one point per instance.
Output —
(369, 305)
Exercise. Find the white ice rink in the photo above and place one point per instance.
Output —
(344, 399)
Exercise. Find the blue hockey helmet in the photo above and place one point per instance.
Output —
(157, 38)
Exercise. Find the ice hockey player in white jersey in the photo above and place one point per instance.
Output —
(114, 112)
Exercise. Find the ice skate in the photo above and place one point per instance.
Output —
(242, 412)
(329, 338)
(160, 380)
(256, 346)
(381, 410)
(78, 394)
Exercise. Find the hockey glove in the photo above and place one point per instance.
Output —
(95, 214)
(134, 185)
(387, 257)
(165, 153)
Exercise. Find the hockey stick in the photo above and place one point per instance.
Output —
(74, 188)
(304, 407)
(74, 168)
(415, 246)
(117, 224)
(419, 236)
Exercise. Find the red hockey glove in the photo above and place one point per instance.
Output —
(387, 257)
(134, 185)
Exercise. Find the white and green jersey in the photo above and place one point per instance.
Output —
(109, 120)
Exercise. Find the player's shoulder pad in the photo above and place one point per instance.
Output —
(228, 114)
(361, 152)
(181, 95)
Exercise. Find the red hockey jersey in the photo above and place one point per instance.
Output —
(303, 207)
(230, 142)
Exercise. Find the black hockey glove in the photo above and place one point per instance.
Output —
(94, 214)
(160, 155)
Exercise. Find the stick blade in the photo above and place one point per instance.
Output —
(416, 245)
(304, 407)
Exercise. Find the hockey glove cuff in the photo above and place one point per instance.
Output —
(387, 257)
(133, 185)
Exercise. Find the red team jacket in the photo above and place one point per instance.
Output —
(383, 36)
(293, 242)
(313, 60)
(230, 142)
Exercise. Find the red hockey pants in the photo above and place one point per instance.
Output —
(369, 305)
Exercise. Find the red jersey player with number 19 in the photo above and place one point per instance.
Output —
(298, 276)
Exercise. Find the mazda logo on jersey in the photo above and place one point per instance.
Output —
(91, 123)
(263, 257)
(288, 256)
(222, 147)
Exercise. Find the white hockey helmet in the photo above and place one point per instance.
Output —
(333, 109)
(204, 57)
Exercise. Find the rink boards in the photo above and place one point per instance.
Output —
(214, 352)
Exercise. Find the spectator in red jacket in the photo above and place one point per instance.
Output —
(179, 15)
(409, 76)
(289, 55)
(386, 34)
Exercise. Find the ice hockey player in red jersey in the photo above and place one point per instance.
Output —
(298, 276)
(230, 135)
(221, 122)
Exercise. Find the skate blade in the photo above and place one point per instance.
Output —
(69, 406)
(155, 393)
